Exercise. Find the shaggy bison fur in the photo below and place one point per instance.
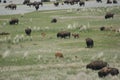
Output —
(109, 15)
(89, 42)
(63, 34)
(96, 65)
(59, 54)
(28, 31)
(13, 21)
(108, 70)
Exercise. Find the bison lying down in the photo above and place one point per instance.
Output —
(96, 65)
(108, 70)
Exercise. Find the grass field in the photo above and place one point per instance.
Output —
(33, 58)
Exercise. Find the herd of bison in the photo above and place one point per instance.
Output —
(103, 67)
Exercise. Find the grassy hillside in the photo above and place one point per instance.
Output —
(33, 57)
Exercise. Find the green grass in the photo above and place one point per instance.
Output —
(26, 58)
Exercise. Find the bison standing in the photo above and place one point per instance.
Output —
(63, 34)
(89, 42)
(14, 21)
(28, 31)
(11, 6)
(109, 15)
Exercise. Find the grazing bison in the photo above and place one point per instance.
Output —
(63, 34)
(89, 42)
(59, 54)
(96, 65)
(75, 35)
(115, 1)
(28, 31)
(82, 3)
(54, 20)
(109, 1)
(108, 70)
(36, 7)
(14, 21)
(11, 6)
(26, 1)
(4, 33)
(109, 15)
(99, 1)
(56, 3)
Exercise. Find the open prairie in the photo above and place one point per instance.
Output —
(32, 57)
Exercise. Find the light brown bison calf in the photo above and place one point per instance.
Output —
(59, 54)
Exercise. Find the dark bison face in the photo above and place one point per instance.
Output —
(63, 34)
(89, 42)
(81, 3)
(28, 31)
(109, 15)
(102, 28)
(13, 21)
(56, 4)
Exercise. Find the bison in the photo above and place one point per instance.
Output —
(109, 1)
(82, 3)
(14, 21)
(75, 35)
(11, 6)
(63, 34)
(54, 20)
(97, 65)
(89, 42)
(59, 54)
(26, 1)
(56, 3)
(109, 15)
(36, 7)
(107, 71)
(115, 1)
(28, 31)
(99, 1)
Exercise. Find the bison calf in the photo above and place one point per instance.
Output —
(96, 65)
(58, 54)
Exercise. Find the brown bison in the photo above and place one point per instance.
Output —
(54, 20)
(89, 42)
(75, 35)
(96, 65)
(63, 34)
(13, 21)
(108, 70)
(11, 6)
(59, 54)
(28, 31)
(109, 15)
